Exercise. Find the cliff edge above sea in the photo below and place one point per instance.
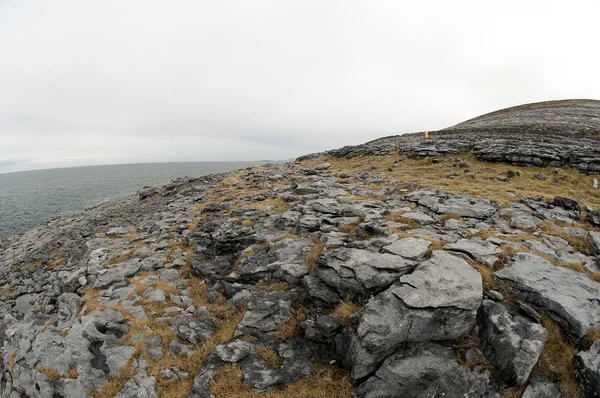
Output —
(466, 264)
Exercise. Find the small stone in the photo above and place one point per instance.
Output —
(495, 295)
(595, 183)
(539, 176)
(502, 178)
(323, 166)
(153, 347)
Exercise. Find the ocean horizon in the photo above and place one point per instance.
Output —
(33, 197)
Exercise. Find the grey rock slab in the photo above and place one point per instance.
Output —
(202, 380)
(138, 387)
(194, 329)
(258, 373)
(438, 301)
(483, 251)
(408, 373)
(542, 387)
(570, 298)
(460, 382)
(117, 356)
(118, 273)
(513, 344)
(420, 218)
(265, 315)
(235, 351)
(320, 290)
(587, 370)
(540, 248)
(595, 241)
(153, 346)
(359, 271)
(461, 206)
(409, 248)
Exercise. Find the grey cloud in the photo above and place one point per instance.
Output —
(13, 161)
(117, 81)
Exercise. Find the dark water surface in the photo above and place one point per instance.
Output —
(31, 198)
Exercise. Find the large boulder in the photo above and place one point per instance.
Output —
(408, 373)
(570, 298)
(438, 301)
(513, 344)
(360, 271)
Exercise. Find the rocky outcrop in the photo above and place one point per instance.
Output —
(512, 343)
(569, 297)
(258, 278)
(551, 133)
(438, 301)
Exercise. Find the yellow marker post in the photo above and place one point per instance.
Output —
(427, 135)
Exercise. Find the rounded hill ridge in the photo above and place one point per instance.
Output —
(553, 133)
(575, 115)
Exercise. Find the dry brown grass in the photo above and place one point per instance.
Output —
(271, 356)
(247, 223)
(591, 337)
(48, 372)
(344, 310)
(314, 253)
(557, 359)
(428, 175)
(349, 228)
(5, 289)
(449, 216)
(73, 374)
(482, 233)
(291, 329)
(514, 392)
(327, 382)
(91, 299)
(278, 205)
(581, 245)
(275, 286)
(33, 265)
(397, 217)
(56, 263)
(487, 276)
(287, 235)
(120, 258)
(11, 362)
(192, 226)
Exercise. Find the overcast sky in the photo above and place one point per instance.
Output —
(125, 81)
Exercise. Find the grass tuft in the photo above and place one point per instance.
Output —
(328, 381)
(314, 253)
(271, 356)
(557, 359)
(344, 310)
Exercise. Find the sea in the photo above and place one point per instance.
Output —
(32, 198)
